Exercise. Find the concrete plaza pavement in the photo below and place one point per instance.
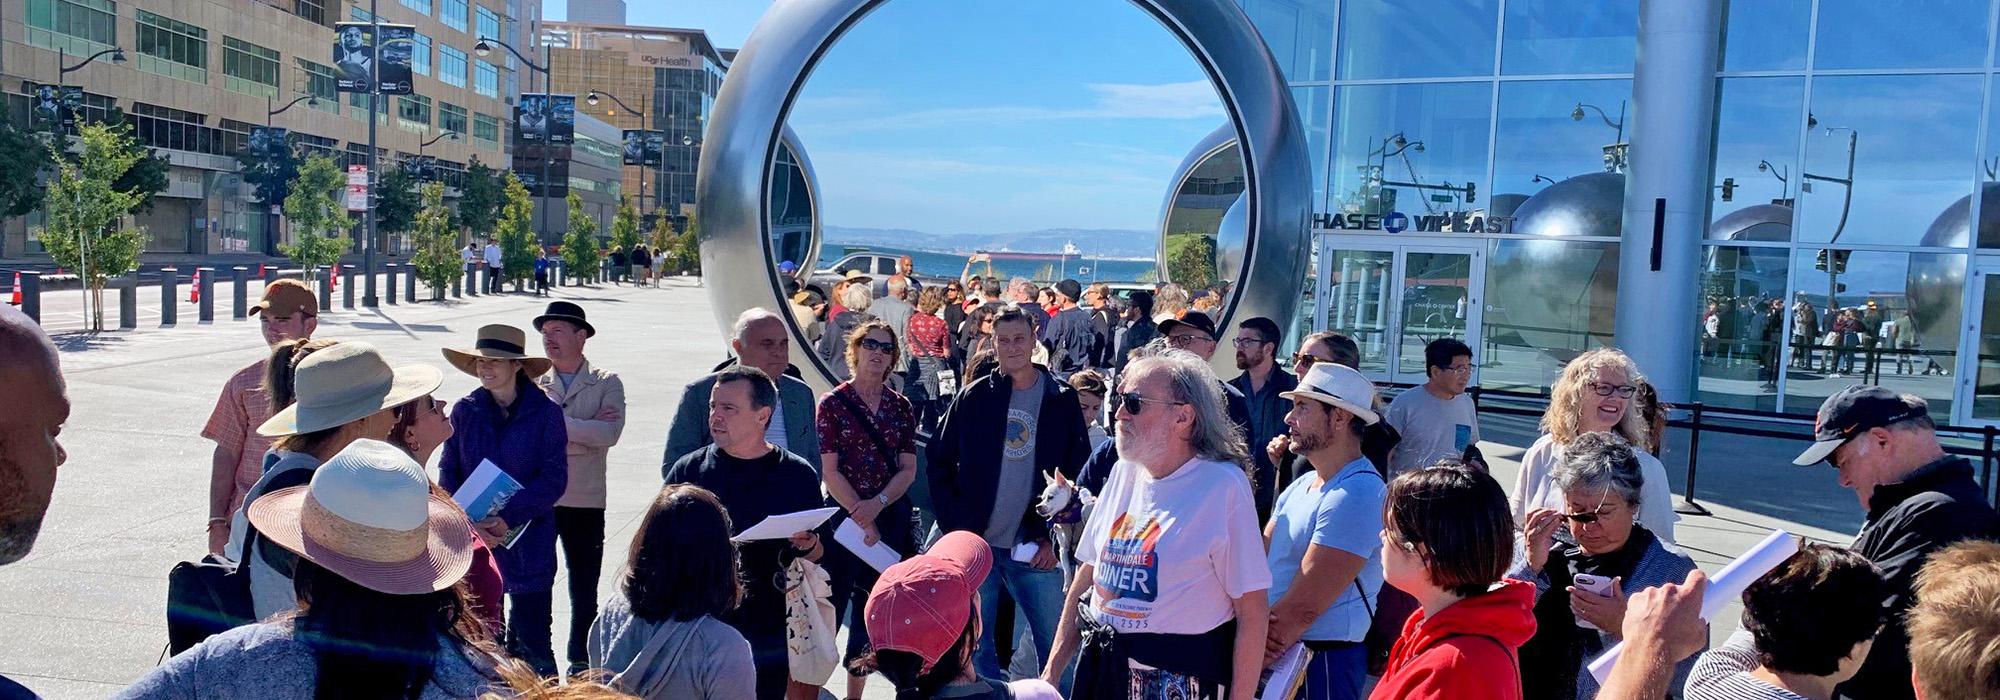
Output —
(84, 614)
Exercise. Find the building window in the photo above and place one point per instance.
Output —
(485, 79)
(77, 26)
(486, 129)
(178, 130)
(415, 109)
(319, 82)
(487, 23)
(248, 68)
(423, 6)
(312, 10)
(452, 14)
(357, 14)
(360, 102)
(172, 48)
(451, 66)
(451, 118)
(420, 54)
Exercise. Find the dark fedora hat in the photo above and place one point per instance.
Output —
(565, 311)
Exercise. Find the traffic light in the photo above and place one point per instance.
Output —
(1471, 192)
(1840, 261)
(1819, 261)
(1728, 189)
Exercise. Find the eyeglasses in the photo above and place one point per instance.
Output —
(1305, 362)
(1246, 340)
(1624, 391)
(1186, 339)
(1458, 369)
(877, 345)
(1592, 516)
(1134, 402)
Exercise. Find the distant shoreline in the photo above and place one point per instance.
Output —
(918, 249)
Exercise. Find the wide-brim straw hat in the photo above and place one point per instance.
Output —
(369, 517)
(497, 342)
(346, 382)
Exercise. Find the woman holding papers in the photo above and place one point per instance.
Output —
(868, 454)
(1447, 539)
(1581, 590)
(756, 480)
(510, 422)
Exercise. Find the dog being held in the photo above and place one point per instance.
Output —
(1066, 507)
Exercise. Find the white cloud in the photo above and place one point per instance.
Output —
(1163, 101)
(1195, 99)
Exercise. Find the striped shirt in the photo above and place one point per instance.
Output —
(1723, 673)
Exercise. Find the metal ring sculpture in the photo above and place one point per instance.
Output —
(748, 121)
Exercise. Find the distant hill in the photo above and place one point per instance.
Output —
(1118, 243)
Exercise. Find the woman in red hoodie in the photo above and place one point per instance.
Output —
(1448, 539)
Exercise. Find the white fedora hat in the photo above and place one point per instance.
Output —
(346, 382)
(369, 516)
(1339, 386)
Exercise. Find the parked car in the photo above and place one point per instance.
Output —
(877, 265)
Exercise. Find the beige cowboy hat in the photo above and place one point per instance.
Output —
(346, 382)
(498, 341)
(369, 516)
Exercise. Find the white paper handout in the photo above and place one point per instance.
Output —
(1281, 680)
(1725, 586)
(879, 555)
(784, 525)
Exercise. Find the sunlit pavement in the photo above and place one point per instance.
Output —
(85, 613)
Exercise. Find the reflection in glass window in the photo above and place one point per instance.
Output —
(1546, 302)
(1954, 226)
(1766, 35)
(1442, 129)
(1358, 302)
(1756, 149)
(1541, 141)
(1906, 139)
(1741, 336)
(1919, 293)
(1299, 32)
(1417, 38)
(1569, 37)
(1902, 34)
(1312, 106)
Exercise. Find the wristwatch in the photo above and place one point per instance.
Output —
(882, 498)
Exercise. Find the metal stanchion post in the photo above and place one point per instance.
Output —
(347, 280)
(410, 286)
(326, 287)
(390, 271)
(239, 308)
(1688, 506)
(472, 280)
(31, 295)
(170, 284)
(205, 288)
(128, 301)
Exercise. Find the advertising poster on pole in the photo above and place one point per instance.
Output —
(398, 42)
(353, 56)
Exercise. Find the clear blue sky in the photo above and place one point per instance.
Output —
(956, 117)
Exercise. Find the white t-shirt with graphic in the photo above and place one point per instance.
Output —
(1172, 554)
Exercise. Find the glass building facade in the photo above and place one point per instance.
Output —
(1470, 174)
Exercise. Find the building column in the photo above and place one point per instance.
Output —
(1666, 190)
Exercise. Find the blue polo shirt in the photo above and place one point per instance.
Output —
(1344, 513)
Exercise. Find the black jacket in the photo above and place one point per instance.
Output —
(1937, 505)
(965, 459)
(1266, 420)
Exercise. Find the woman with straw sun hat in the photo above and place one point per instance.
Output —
(381, 609)
(511, 422)
(343, 393)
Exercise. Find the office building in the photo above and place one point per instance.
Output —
(597, 11)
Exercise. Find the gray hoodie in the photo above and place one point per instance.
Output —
(699, 659)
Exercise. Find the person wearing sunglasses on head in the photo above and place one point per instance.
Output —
(1595, 394)
(1582, 589)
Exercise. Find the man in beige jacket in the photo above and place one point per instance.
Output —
(593, 402)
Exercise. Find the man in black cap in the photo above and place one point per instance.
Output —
(593, 403)
(1195, 332)
(1071, 336)
(1919, 500)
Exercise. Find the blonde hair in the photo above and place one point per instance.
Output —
(854, 346)
(1954, 627)
(1563, 420)
(930, 300)
(519, 682)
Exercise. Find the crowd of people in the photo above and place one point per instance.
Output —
(1085, 476)
(1836, 341)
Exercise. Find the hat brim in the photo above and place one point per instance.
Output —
(446, 558)
(409, 383)
(1367, 415)
(1818, 452)
(465, 360)
(1172, 323)
(588, 329)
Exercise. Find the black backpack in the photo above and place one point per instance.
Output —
(206, 598)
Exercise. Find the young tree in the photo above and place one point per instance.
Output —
(687, 247)
(85, 210)
(662, 234)
(625, 226)
(481, 196)
(270, 172)
(436, 242)
(396, 200)
(516, 233)
(318, 215)
(148, 174)
(580, 251)
(23, 157)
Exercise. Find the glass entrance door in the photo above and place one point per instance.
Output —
(1979, 381)
(1395, 299)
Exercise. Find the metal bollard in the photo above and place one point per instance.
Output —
(205, 283)
(409, 286)
(241, 308)
(472, 280)
(391, 272)
(170, 283)
(556, 270)
(270, 274)
(326, 288)
(347, 287)
(128, 301)
(31, 295)
(458, 287)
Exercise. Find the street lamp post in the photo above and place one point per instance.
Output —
(83, 237)
(453, 135)
(1614, 154)
(1846, 203)
(485, 48)
(593, 98)
(271, 208)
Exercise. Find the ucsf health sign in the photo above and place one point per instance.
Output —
(1398, 222)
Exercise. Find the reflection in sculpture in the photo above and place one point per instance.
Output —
(1552, 296)
(794, 202)
(1195, 223)
(732, 189)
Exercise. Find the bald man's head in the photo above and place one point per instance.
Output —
(29, 454)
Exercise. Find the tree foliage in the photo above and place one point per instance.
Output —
(85, 211)
(518, 245)
(625, 226)
(580, 252)
(318, 215)
(1191, 260)
(23, 157)
(396, 200)
(436, 242)
(481, 196)
(686, 247)
(270, 172)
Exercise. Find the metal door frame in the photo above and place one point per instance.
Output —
(1399, 250)
(1965, 386)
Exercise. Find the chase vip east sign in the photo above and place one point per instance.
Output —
(1398, 222)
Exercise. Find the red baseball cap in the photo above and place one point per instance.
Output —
(921, 605)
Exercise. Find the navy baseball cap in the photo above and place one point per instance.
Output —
(1853, 411)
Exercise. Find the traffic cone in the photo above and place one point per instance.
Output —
(260, 271)
(17, 290)
(194, 290)
(334, 272)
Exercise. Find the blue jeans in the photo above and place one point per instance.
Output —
(1336, 674)
(1038, 592)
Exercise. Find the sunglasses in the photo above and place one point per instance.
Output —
(1624, 391)
(1305, 362)
(1134, 402)
(877, 345)
(1590, 517)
